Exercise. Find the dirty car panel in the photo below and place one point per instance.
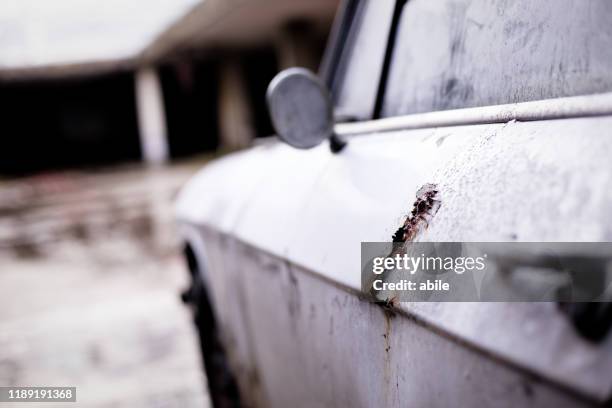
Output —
(279, 230)
(485, 174)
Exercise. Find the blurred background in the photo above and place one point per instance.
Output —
(107, 109)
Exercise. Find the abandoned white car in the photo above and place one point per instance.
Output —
(497, 116)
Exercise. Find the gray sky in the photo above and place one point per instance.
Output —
(41, 32)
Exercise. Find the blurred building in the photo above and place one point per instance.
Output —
(198, 86)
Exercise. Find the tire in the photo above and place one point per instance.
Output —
(222, 385)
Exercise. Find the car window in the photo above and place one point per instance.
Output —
(464, 53)
(361, 60)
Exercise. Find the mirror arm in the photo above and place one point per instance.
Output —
(337, 143)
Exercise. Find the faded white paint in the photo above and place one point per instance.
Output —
(296, 340)
(151, 116)
(543, 180)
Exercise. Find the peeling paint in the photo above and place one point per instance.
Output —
(424, 208)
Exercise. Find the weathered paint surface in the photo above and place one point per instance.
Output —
(463, 53)
(544, 180)
(297, 340)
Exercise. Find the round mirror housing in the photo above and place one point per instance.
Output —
(300, 108)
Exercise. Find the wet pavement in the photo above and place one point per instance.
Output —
(90, 277)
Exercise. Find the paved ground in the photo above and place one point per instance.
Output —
(90, 278)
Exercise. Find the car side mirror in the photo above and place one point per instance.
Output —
(301, 109)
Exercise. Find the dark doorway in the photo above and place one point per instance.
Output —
(190, 99)
(260, 66)
(67, 123)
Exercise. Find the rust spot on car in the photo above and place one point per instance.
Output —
(387, 333)
(387, 374)
(389, 306)
(424, 208)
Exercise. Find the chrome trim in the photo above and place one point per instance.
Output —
(558, 108)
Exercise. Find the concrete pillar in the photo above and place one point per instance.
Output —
(235, 120)
(296, 46)
(151, 116)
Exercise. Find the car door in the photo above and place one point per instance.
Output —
(538, 178)
(508, 167)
